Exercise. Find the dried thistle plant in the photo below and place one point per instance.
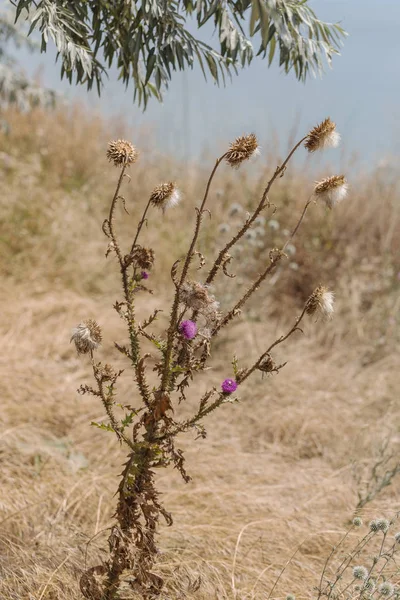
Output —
(375, 475)
(366, 569)
(359, 567)
(150, 430)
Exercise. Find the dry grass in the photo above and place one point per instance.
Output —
(276, 470)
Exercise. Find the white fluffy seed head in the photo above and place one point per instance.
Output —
(386, 589)
(321, 301)
(360, 573)
(86, 336)
(323, 136)
(165, 196)
(331, 190)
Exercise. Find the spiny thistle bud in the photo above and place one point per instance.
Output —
(369, 586)
(107, 373)
(86, 336)
(386, 589)
(357, 522)
(242, 149)
(143, 257)
(373, 526)
(229, 386)
(188, 329)
(320, 301)
(322, 136)
(121, 153)
(267, 365)
(165, 196)
(331, 190)
(360, 573)
(383, 525)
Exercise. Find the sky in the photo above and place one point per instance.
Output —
(361, 93)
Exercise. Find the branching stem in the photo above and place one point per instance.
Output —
(175, 307)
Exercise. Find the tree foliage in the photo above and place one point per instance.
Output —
(147, 40)
(15, 88)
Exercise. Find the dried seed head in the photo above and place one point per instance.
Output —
(322, 136)
(383, 525)
(211, 312)
(224, 228)
(331, 190)
(143, 257)
(369, 586)
(386, 589)
(360, 573)
(165, 196)
(373, 526)
(121, 153)
(320, 301)
(267, 365)
(242, 149)
(107, 373)
(195, 295)
(397, 537)
(86, 336)
(235, 209)
(357, 522)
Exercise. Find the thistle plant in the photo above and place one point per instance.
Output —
(362, 565)
(149, 430)
(365, 568)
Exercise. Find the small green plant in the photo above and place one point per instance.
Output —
(149, 429)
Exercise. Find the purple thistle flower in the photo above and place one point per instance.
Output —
(229, 386)
(188, 329)
(144, 275)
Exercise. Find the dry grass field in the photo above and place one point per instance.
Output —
(280, 470)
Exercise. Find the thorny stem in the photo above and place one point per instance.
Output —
(243, 300)
(279, 171)
(111, 218)
(175, 307)
(107, 405)
(125, 281)
(298, 225)
(261, 278)
(276, 343)
(207, 408)
(140, 225)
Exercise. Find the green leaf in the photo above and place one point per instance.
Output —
(254, 17)
(212, 65)
(271, 52)
(151, 61)
(103, 426)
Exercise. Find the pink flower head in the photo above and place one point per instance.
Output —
(229, 386)
(188, 329)
(144, 275)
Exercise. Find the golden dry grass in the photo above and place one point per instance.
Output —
(276, 469)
